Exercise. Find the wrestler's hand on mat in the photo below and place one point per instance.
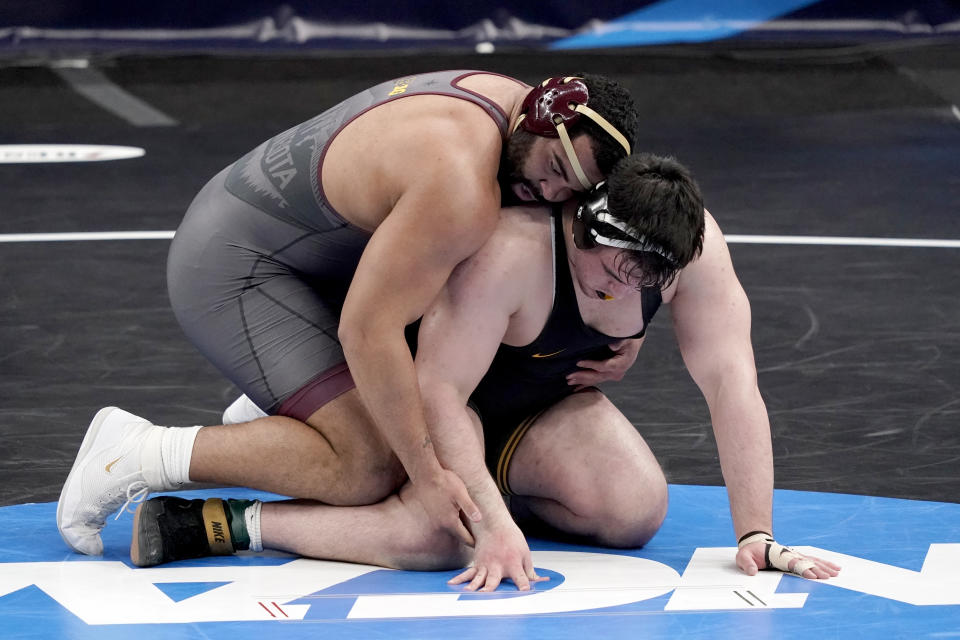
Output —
(501, 553)
(444, 495)
(593, 372)
(758, 551)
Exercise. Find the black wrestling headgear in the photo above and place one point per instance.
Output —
(595, 225)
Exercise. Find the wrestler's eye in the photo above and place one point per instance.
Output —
(600, 294)
(556, 168)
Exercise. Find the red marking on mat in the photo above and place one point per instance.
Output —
(280, 610)
(266, 609)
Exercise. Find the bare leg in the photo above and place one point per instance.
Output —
(583, 470)
(394, 533)
(337, 457)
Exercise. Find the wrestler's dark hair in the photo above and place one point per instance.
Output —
(657, 198)
(615, 104)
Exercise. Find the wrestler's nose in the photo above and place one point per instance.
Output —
(554, 191)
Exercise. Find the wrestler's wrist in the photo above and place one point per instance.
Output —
(757, 535)
(423, 467)
(493, 520)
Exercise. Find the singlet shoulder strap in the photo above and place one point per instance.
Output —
(493, 109)
(564, 297)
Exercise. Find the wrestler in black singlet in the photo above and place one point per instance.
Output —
(524, 381)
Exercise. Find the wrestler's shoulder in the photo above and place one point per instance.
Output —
(521, 233)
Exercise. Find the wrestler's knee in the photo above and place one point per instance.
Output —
(365, 481)
(422, 546)
(434, 551)
(344, 478)
(628, 513)
(363, 467)
(631, 530)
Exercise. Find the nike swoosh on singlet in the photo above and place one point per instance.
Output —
(110, 464)
(547, 355)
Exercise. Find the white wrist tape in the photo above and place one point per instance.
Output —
(778, 556)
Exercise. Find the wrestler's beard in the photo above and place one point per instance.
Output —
(512, 158)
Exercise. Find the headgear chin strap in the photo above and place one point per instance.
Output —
(598, 226)
(554, 105)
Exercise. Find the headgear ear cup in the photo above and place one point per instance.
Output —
(558, 103)
(591, 202)
(549, 104)
(594, 225)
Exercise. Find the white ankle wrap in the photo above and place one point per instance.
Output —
(177, 450)
(165, 457)
(251, 518)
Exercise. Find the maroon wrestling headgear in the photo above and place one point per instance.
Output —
(554, 105)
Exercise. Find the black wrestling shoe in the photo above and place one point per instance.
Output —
(169, 528)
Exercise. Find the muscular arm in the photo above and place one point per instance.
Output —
(459, 338)
(711, 317)
(712, 321)
(443, 215)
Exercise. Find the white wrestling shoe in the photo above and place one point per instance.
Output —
(106, 474)
(242, 410)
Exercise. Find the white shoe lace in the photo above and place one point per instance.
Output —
(137, 492)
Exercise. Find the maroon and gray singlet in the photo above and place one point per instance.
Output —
(260, 266)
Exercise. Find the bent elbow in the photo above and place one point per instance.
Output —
(356, 332)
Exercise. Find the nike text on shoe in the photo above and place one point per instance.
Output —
(106, 474)
(168, 528)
